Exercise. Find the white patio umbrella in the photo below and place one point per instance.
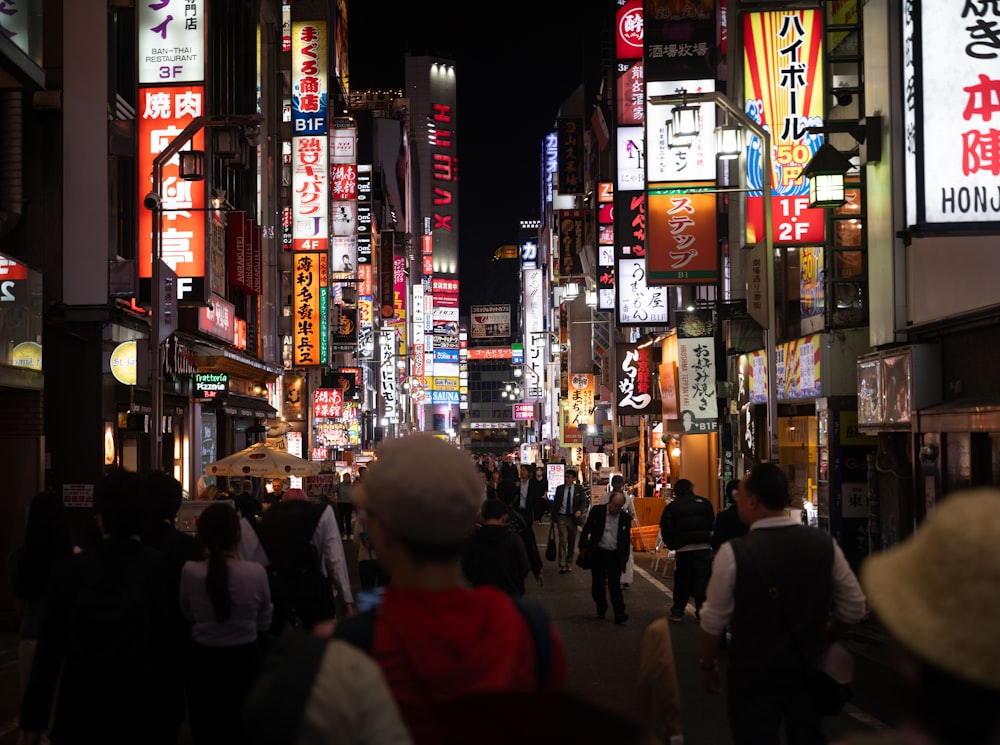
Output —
(262, 461)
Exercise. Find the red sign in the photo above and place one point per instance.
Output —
(10, 269)
(792, 220)
(681, 243)
(629, 31)
(328, 403)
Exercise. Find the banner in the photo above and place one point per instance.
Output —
(696, 374)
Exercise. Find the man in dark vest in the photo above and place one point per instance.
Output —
(686, 526)
(781, 576)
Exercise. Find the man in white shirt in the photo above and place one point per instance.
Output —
(605, 540)
(779, 577)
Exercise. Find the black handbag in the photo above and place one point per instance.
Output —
(584, 559)
(550, 547)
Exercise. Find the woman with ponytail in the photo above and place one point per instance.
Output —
(228, 604)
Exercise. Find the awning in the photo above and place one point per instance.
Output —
(240, 366)
(963, 415)
(236, 404)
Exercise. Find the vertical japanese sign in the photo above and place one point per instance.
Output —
(328, 403)
(696, 162)
(639, 304)
(387, 372)
(606, 246)
(633, 380)
(309, 78)
(309, 324)
(680, 39)
(783, 58)
(581, 399)
(171, 41)
(682, 247)
(696, 375)
(571, 240)
(163, 114)
(958, 95)
(310, 176)
(570, 133)
(535, 337)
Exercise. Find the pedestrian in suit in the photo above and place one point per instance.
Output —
(570, 503)
(605, 538)
(727, 523)
(538, 493)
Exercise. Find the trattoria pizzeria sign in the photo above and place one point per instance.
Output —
(951, 71)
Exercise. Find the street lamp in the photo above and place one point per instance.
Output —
(161, 325)
(770, 339)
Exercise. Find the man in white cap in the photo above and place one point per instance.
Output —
(936, 594)
(436, 638)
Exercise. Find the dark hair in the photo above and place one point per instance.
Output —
(121, 502)
(47, 540)
(507, 491)
(617, 481)
(683, 486)
(494, 509)
(571, 472)
(770, 485)
(165, 495)
(731, 486)
(219, 533)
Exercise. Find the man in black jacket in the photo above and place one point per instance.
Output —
(727, 523)
(686, 526)
(606, 541)
(494, 555)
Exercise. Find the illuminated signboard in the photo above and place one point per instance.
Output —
(693, 163)
(328, 403)
(163, 114)
(681, 238)
(309, 322)
(171, 42)
(310, 194)
(210, 385)
(309, 79)
(775, 43)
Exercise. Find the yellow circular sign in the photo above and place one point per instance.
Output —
(27, 354)
(123, 363)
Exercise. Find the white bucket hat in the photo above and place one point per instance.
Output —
(938, 592)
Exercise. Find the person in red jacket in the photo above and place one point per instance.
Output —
(421, 498)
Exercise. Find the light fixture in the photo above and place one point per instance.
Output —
(684, 119)
(218, 197)
(825, 172)
(191, 165)
(728, 141)
(571, 291)
(678, 141)
(517, 372)
(226, 141)
(591, 296)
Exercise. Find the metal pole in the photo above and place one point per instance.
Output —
(770, 337)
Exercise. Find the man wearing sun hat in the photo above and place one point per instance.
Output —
(938, 595)
(436, 638)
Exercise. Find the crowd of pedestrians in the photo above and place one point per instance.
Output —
(126, 637)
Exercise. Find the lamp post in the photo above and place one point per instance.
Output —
(770, 339)
(154, 202)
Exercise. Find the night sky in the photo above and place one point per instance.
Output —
(514, 71)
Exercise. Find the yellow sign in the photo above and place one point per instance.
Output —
(27, 354)
(123, 362)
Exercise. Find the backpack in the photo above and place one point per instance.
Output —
(359, 630)
(301, 593)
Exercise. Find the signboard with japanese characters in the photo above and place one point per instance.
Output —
(634, 380)
(580, 400)
(571, 155)
(696, 375)
(309, 317)
(681, 243)
(387, 372)
(310, 194)
(955, 97)
(171, 40)
(680, 38)
(638, 303)
(666, 161)
(535, 338)
(309, 79)
(328, 403)
(490, 321)
(784, 91)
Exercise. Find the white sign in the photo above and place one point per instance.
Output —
(638, 303)
(696, 375)
(387, 372)
(957, 88)
(631, 159)
(535, 338)
(171, 42)
(693, 163)
(310, 194)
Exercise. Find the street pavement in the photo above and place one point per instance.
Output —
(603, 658)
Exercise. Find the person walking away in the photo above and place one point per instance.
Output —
(567, 508)
(165, 495)
(306, 551)
(686, 526)
(494, 555)
(371, 574)
(520, 526)
(102, 633)
(538, 491)
(782, 575)
(949, 669)
(507, 468)
(421, 498)
(727, 523)
(47, 546)
(605, 539)
(228, 603)
(345, 503)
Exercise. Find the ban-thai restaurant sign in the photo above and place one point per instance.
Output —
(682, 247)
(783, 70)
